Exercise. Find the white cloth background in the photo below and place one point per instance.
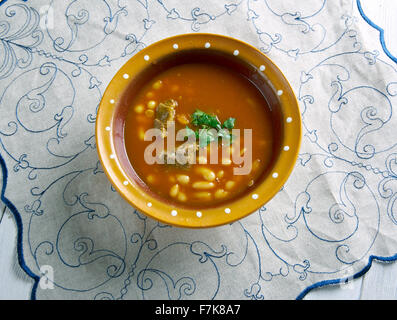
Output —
(336, 212)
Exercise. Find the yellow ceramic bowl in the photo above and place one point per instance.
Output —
(112, 113)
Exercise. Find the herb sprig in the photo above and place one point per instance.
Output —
(206, 124)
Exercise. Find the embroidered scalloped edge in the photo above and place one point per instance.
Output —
(342, 281)
(36, 278)
(375, 26)
(4, 1)
(18, 221)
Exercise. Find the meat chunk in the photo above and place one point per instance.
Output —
(184, 156)
(165, 111)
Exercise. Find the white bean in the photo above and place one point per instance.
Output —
(151, 104)
(174, 190)
(183, 179)
(206, 173)
(182, 197)
(203, 195)
(220, 193)
(157, 85)
(203, 185)
(220, 174)
(149, 113)
(139, 108)
(230, 185)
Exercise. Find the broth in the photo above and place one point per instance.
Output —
(218, 91)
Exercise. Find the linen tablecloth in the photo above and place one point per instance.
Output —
(79, 239)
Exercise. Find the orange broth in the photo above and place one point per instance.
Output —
(215, 90)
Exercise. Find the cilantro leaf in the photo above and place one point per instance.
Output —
(229, 123)
(206, 133)
(200, 118)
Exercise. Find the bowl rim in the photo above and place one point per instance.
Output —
(222, 213)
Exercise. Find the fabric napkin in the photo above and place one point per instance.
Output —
(80, 240)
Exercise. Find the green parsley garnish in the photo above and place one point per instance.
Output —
(229, 123)
(200, 118)
(207, 123)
